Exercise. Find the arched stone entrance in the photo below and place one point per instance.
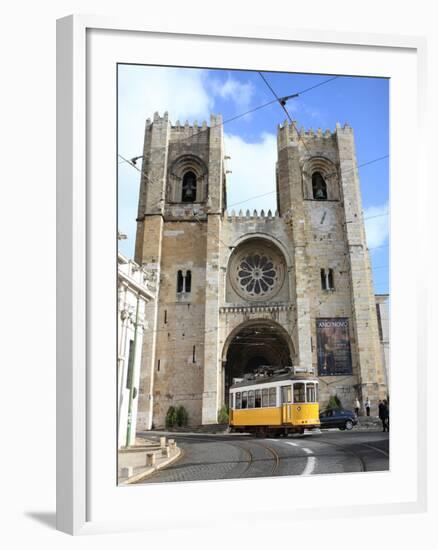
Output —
(253, 344)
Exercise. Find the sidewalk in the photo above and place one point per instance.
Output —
(369, 424)
(145, 457)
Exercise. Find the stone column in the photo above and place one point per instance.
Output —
(151, 255)
(148, 247)
(291, 194)
(370, 371)
(212, 359)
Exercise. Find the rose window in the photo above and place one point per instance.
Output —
(257, 274)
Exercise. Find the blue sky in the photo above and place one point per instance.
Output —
(192, 94)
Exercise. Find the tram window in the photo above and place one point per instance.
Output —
(238, 400)
(251, 399)
(310, 393)
(231, 400)
(272, 397)
(286, 393)
(265, 397)
(299, 395)
(244, 399)
(258, 398)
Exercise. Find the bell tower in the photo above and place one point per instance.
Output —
(319, 193)
(181, 202)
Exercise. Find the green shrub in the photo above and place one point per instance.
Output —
(182, 416)
(334, 402)
(171, 417)
(222, 416)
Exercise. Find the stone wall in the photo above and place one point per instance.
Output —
(193, 330)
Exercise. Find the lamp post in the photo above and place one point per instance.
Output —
(131, 372)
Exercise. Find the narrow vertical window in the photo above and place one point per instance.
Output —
(265, 397)
(188, 281)
(244, 400)
(165, 316)
(158, 365)
(179, 282)
(194, 354)
(331, 285)
(238, 400)
(251, 399)
(272, 397)
(258, 398)
(323, 280)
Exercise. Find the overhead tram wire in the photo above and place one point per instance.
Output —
(262, 106)
(282, 103)
(253, 110)
(218, 240)
(265, 194)
(330, 174)
(269, 192)
(317, 85)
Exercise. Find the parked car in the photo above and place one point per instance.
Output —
(338, 418)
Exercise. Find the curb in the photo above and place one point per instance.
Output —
(152, 469)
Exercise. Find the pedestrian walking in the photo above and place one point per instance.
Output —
(381, 415)
(357, 406)
(368, 406)
(386, 414)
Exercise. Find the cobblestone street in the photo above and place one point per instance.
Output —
(230, 456)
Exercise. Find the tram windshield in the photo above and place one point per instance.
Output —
(299, 393)
(305, 392)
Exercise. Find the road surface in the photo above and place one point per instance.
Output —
(230, 456)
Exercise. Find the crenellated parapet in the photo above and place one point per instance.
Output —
(242, 216)
(288, 134)
(195, 132)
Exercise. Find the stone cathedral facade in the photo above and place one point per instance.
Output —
(241, 290)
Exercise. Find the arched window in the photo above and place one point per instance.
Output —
(183, 282)
(319, 187)
(188, 281)
(179, 282)
(189, 187)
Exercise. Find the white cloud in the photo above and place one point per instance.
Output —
(253, 172)
(376, 225)
(187, 94)
(144, 90)
(240, 93)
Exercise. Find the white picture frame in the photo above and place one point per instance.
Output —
(85, 501)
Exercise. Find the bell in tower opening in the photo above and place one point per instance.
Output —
(319, 187)
(189, 187)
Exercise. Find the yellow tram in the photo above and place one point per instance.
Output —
(274, 403)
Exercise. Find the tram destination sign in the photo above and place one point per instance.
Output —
(333, 346)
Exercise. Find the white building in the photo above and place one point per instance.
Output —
(136, 291)
(382, 306)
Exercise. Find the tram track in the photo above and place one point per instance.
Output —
(253, 459)
(274, 454)
(230, 457)
(346, 451)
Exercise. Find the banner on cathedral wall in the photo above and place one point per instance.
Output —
(333, 346)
